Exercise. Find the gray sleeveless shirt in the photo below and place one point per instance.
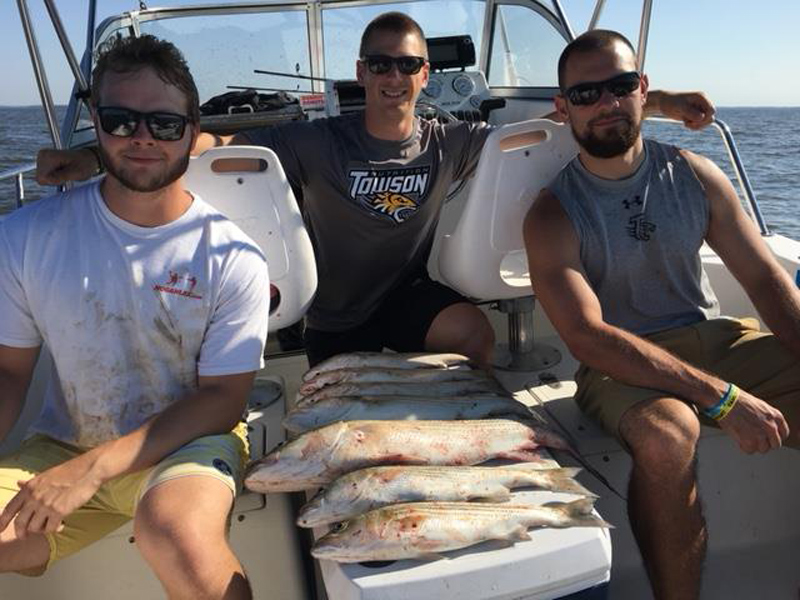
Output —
(640, 239)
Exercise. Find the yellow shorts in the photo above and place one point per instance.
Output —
(735, 350)
(222, 457)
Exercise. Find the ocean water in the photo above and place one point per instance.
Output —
(768, 140)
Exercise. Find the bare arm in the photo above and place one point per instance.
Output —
(737, 241)
(216, 407)
(16, 369)
(563, 290)
(693, 108)
(54, 167)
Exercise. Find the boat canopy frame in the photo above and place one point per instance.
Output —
(132, 20)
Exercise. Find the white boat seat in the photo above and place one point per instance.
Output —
(484, 258)
(262, 204)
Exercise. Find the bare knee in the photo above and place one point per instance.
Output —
(464, 329)
(162, 540)
(662, 436)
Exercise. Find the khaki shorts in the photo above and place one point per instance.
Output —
(735, 350)
(222, 457)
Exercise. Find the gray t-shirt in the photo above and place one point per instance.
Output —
(640, 239)
(371, 205)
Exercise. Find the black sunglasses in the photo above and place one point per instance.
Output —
(122, 122)
(584, 94)
(380, 64)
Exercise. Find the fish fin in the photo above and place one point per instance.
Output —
(530, 456)
(578, 513)
(539, 465)
(561, 480)
(582, 506)
(498, 544)
(520, 534)
(431, 556)
(499, 493)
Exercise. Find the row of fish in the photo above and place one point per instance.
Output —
(367, 489)
(391, 439)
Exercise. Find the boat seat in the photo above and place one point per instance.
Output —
(262, 204)
(484, 258)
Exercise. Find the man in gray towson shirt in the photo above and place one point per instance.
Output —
(372, 187)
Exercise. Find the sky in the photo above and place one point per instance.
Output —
(740, 52)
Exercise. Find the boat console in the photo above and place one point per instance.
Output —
(452, 90)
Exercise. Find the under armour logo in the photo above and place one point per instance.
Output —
(640, 229)
(637, 201)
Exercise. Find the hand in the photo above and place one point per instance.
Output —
(44, 501)
(755, 425)
(693, 108)
(54, 167)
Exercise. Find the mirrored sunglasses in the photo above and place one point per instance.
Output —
(380, 64)
(123, 122)
(584, 94)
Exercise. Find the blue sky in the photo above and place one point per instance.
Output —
(741, 52)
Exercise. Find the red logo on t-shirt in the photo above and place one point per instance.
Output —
(181, 285)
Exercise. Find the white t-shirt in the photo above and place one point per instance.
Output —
(131, 315)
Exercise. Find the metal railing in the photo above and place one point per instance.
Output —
(739, 170)
(746, 189)
(19, 183)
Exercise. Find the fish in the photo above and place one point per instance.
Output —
(318, 457)
(425, 529)
(311, 415)
(441, 388)
(392, 360)
(359, 492)
(365, 375)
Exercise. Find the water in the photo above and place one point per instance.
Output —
(768, 140)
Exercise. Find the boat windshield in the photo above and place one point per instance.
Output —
(224, 48)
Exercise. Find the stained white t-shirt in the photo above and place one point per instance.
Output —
(131, 315)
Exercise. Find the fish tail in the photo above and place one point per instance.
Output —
(578, 513)
(562, 480)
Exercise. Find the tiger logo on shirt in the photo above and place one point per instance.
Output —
(396, 194)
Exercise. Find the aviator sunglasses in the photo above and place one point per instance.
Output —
(584, 94)
(122, 122)
(380, 64)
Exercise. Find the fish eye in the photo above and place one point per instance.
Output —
(339, 526)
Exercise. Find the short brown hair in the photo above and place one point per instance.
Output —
(594, 39)
(130, 54)
(395, 22)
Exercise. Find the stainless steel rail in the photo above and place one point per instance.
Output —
(562, 16)
(55, 18)
(41, 76)
(19, 184)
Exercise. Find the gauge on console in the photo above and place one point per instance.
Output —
(433, 89)
(463, 85)
(476, 101)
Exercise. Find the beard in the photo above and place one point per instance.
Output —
(152, 183)
(613, 142)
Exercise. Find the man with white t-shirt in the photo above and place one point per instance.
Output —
(154, 307)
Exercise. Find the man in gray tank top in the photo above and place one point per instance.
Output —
(613, 247)
(373, 185)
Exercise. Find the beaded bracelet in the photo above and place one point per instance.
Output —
(721, 409)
